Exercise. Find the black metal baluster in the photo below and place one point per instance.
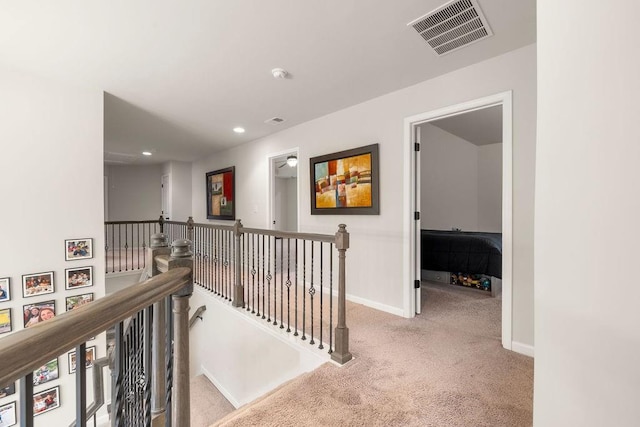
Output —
(169, 358)
(295, 332)
(281, 283)
(263, 269)
(26, 400)
(304, 294)
(312, 292)
(117, 399)
(119, 249)
(126, 247)
(288, 283)
(106, 247)
(215, 261)
(81, 386)
(321, 306)
(244, 251)
(253, 275)
(275, 284)
(147, 337)
(330, 298)
(144, 246)
(268, 279)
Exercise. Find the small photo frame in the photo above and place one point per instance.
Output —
(8, 414)
(38, 312)
(78, 301)
(78, 277)
(5, 320)
(5, 289)
(46, 400)
(47, 372)
(90, 356)
(78, 249)
(8, 390)
(37, 284)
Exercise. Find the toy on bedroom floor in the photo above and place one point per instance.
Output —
(478, 281)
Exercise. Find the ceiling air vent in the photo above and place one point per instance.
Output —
(452, 26)
(274, 120)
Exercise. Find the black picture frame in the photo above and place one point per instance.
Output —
(78, 277)
(5, 289)
(5, 320)
(221, 194)
(36, 284)
(8, 414)
(330, 187)
(78, 249)
(46, 400)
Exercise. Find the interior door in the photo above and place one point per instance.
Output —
(166, 191)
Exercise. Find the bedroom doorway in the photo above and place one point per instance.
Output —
(473, 158)
(283, 191)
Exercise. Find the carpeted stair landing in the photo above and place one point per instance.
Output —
(446, 367)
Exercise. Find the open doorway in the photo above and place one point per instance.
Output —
(283, 194)
(461, 200)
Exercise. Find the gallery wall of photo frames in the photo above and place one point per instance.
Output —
(43, 287)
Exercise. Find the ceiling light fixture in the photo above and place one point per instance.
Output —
(292, 161)
(238, 129)
(146, 153)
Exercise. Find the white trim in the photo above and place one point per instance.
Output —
(410, 249)
(220, 388)
(271, 182)
(373, 304)
(103, 420)
(526, 349)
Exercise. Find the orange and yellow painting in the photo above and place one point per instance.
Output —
(344, 183)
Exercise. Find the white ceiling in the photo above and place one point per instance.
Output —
(479, 127)
(181, 75)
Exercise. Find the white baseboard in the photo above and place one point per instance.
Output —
(378, 306)
(526, 349)
(221, 388)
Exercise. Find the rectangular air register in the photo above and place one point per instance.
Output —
(453, 26)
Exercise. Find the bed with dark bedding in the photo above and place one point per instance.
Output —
(462, 252)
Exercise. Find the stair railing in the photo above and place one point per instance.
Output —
(130, 312)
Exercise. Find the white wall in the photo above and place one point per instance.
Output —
(375, 260)
(180, 194)
(449, 181)
(135, 192)
(490, 188)
(587, 318)
(245, 359)
(51, 175)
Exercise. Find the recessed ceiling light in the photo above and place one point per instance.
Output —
(146, 153)
(238, 130)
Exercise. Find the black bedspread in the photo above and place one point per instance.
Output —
(462, 251)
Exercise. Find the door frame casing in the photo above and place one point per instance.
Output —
(411, 227)
(271, 159)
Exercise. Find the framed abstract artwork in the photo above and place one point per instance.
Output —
(221, 194)
(345, 183)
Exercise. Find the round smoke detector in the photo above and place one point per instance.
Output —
(279, 73)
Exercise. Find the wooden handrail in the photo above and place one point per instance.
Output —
(146, 221)
(24, 351)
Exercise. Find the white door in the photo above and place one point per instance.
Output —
(166, 195)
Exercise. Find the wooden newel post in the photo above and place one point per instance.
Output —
(159, 246)
(181, 256)
(190, 228)
(238, 289)
(341, 353)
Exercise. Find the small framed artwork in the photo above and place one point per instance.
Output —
(78, 249)
(5, 320)
(37, 284)
(47, 372)
(78, 277)
(8, 414)
(38, 312)
(5, 290)
(8, 390)
(221, 194)
(90, 356)
(345, 183)
(78, 301)
(46, 400)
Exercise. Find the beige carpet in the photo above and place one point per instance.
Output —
(446, 367)
(207, 403)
